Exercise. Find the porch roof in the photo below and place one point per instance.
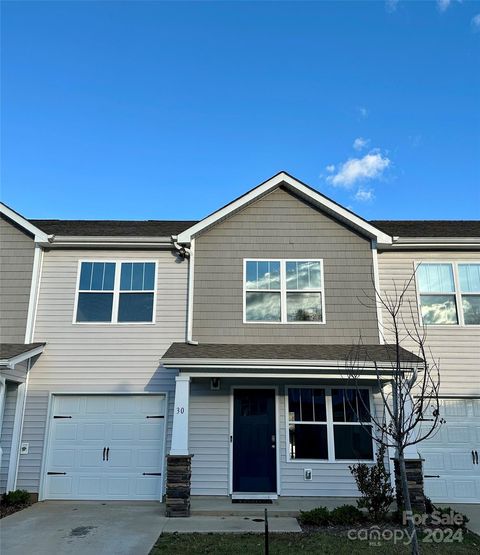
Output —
(13, 353)
(185, 354)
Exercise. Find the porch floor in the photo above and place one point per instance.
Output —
(209, 505)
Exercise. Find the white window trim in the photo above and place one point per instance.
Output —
(283, 291)
(457, 293)
(330, 426)
(116, 292)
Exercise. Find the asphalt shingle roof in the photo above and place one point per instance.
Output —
(378, 353)
(429, 228)
(112, 228)
(165, 228)
(10, 350)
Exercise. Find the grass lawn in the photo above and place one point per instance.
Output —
(306, 543)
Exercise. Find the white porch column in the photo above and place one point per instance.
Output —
(180, 416)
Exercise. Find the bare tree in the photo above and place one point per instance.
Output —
(408, 384)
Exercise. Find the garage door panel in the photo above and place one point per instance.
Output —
(119, 422)
(60, 487)
(451, 475)
(93, 431)
(96, 405)
(62, 458)
(64, 431)
(458, 435)
(123, 431)
(151, 430)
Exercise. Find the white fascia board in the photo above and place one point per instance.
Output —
(433, 243)
(300, 189)
(40, 236)
(331, 365)
(109, 241)
(288, 376)
(11, 362)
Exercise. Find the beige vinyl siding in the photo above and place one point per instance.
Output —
(98, 358)
(16, 264)
(456, 347)
(281, 226)
(209, 441)
(7, 431)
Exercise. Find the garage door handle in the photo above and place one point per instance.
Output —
(473, 456)
(104, 451)
(108, 451)
(476, 456)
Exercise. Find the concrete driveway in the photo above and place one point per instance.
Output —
(472, 510)
(83, 528)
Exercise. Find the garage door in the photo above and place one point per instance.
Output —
(452, 466)
(106, 447)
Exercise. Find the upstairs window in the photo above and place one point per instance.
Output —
(283, 291)
(116, 292)
(449, 293)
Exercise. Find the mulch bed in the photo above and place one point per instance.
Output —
(9, 510)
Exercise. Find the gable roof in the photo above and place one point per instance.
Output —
(38, 234)
(111, 228)
(298, 188)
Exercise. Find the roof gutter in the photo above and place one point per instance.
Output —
(277, 364)
(433, 243)
(85, 241)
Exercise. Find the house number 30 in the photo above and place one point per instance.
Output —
(180, 410)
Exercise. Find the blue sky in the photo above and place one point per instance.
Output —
(152, 110)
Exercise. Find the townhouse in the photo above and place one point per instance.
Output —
(222, 344)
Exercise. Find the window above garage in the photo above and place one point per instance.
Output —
(449, 293)
(118, 292)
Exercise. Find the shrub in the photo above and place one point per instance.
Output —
(316, 517)
(346, 514)
(373, 482)
(17, 497)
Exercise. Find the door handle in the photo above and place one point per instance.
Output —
(104, 451)
(108, 451)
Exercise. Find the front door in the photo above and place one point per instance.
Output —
(254, 441)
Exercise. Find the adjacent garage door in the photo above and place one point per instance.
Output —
(106, 447)
(452, 466)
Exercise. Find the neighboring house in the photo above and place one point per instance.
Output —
(225, 340)
(20, 258)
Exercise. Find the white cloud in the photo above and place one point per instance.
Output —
(443, 4)
(476, 22)
(360, 143)
(362, 112)
(391, 5)
(330, 168)
(357, 170)
(364, 195)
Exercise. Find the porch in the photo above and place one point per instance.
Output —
(282, 430)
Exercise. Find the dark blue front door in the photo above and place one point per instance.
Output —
(254, 441)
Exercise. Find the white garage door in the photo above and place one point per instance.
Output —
(106, 447)
(452, 466)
